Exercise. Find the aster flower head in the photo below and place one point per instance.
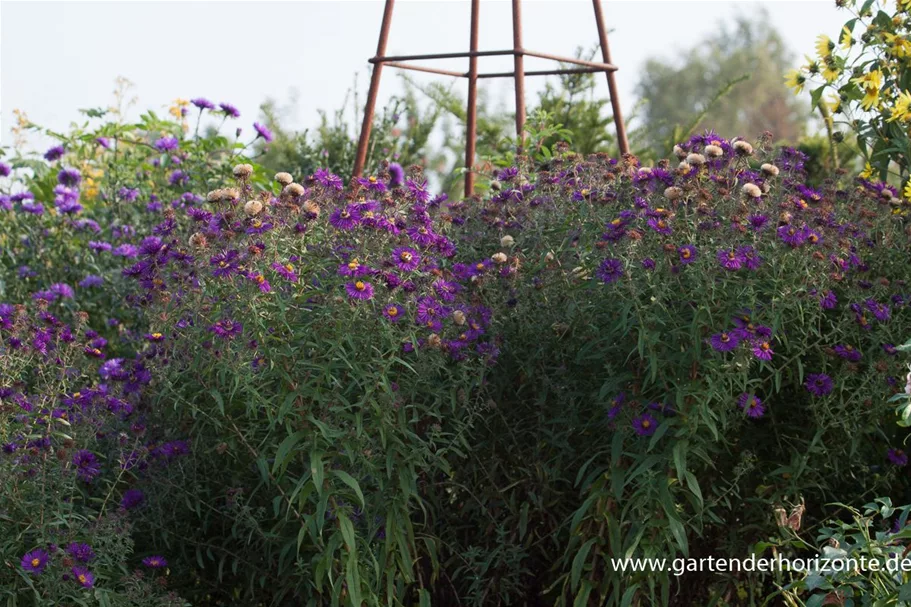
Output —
(203, 103)
(751, 404)
(359, 290)
(898, 457)
(86, 464)
(35, 561)
(687, 254)
(610, 271)
(393, 312)
(725, 342)
(155, 562)
(227, 328)
(645, 424)
(848, 352)
(229, 110)
(828, 300)
(55, 153)
(762, 350)
(346, 218)
(730, 259)
(83, 577)
(80, 551)
(132, 498)
(286, 271)
(263, 131)
(396, 175)
(166, 144)
(406, 259)
(5, 169)
(69, 177)
(819, 384)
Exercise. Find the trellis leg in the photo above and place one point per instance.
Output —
(611, 81)
(364, 140)
(519, 73)
(472, 124)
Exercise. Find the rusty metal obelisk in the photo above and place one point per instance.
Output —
(518, 74)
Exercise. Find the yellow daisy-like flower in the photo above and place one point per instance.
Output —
(898, 45)
(824, 46)
(871, 99)
(902, 109)
(795, 80)
(907, 191)
(831, 72)
(873, 79)
(905, 5)
(846, 40)
(833, 103)
(867, 172)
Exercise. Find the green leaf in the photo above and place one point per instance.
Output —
(284, 450)
(579, 562)
(349, 480)
(316, 469)
(347, 531)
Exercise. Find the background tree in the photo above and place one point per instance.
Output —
(677, 94)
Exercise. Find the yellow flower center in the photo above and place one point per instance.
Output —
(392, 311)
(81, 578)
(662, 224)
(686, 254)
(371, 179)
(405, 256)
(479, 266)
(345, 214)
(731, 255)
(646, 423)
(586, 192)
(36, 562)
(156, 335)
(725, 337)
(765, 346)
(77, 394)
(359, 286)
(260, 279)
(354, 265)
(257, 223)
(289, 267)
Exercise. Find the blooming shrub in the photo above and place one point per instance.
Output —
(866, 69)
(318, 392)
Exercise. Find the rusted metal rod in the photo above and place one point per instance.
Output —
(622, 142)
(581, 70)
(471, 125)
(381, 59)
(429, 70)
(367, 125)
(606, 67)
(519, 69)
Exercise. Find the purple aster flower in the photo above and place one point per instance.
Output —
(67, 199)
(828, 301)
(5, 169)
(660, 225)
(128, 194)
(132, 498)
(285, 271)
(446, 290)
(819, 384)
(881, 312)
(103, 142)
(226, 263)
(202, 103)
(35, 561)
(898, 457)
(750, 257)
(730, 259)
(610, 270)
(125, 250)
(155, 562)
(757, 221)
(406, 259)
(890, 349)
(55, 153)
(751, 405)
(645, 424)
(359, 290)
(648, 263)
(762, 350)
(792, 235)
(346, 218)
(848, 352)
(421, 235)
(81, 552)
(261, 281)
(724, 342)
(63, 290)
(687, 254)
(229, 110)
(86, 464)
(69, 177)
(84, 577)
(227, 328)
(35, 208)
(396, 175)
(166, 144)
(178, 177)
(393, 312)
(263, 131)
(372, 183)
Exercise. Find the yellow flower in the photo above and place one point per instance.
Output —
(905, 4)
(795, 80)
(867, 172)
(824, 46)
(899, 45)
(907, 191)
(831, 71)
(846, 40)
(902, 109)
(833, 103)
(871, 99)
(869, 80)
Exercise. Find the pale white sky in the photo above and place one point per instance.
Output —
(57, 57)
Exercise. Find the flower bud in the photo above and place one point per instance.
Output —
(507, 241)
(242, 171)
(253, 208)
(713, 151)
(499, 258)
(284, 178)
(769, 169)
(751, 190)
